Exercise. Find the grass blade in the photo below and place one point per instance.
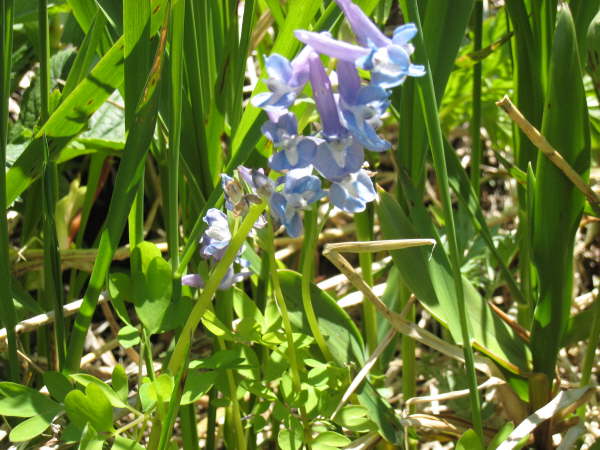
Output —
(126, 186)
(9, 317)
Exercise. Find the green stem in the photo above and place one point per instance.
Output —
(590, 352)
(311, 234)
(364, 232)
(434, 132)
(279, 299)
(182, 346)
(476, 119)
(9, 316)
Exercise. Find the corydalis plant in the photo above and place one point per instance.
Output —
(349, 119)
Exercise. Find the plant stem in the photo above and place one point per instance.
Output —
(364, 232)
(278, 294)
(434, 132)
(476, 118)
(311, 234)
(9, 316)
(181, 347)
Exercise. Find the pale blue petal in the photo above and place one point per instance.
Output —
(331, 47)
(404, 33)
(366, 31)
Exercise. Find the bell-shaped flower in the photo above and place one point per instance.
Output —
(353, 192)
(217, 235)
(387, 59)
(300, 190)
(296, 151)
(361, 107)
(230, 278)
(286, 80)
(339, 154)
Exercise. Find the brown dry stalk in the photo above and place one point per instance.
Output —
(550, 152)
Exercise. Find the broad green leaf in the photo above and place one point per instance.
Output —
(128, 336)
(222, 359)
(58, 384)
(148, 396)
(558, 205)
(196, 385)
(332, 439)
(120, 383)
(30, 428)
(120, 289)
(85, 380)
(22, 401)
(501, 435)
(92, 406)
(469, 441)
(429, 278)
(354, 417)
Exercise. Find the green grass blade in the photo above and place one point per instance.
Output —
(9, 318)
(71, 117)
(126, 186)
(476, 117)
(554, 227)
(429, 109)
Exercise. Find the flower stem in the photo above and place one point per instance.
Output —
(311, 234)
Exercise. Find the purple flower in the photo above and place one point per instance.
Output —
(217, 236)
(286, 80)
(300, 190)
(296, 151)
(339, 154)
(353, 192)
(361, 107)
(230, 278)
(387, 59)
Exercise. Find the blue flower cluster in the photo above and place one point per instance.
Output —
(349, 118)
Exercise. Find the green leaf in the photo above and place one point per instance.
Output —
(501, 435)
(147, 395)
(120, 383)
(344, 342)
(58, 384)
(222, 359)
(92, 406)
(85, 380)
(354, 417)
(30, 428)
(332, 439)
(22, 401)
(152, 285)
(90, 439)
(120, 289)
(469, 441)
(122, 443)
(128, 336)
(196, 385)
(429, 277)
(290, 438)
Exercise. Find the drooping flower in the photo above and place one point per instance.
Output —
(387, 59)
(361, 107)
(286, 80)
(353, 192)
(296, 151)
(300, 190)
(339, 154)
(230, 278)
(217, 235)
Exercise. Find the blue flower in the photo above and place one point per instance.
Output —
(339, 153)
(353, 192)
(361, 107)
(300, 190)
(230, 278)
(217, 236)
(286, 80)
(387, 59)
(296, 151)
